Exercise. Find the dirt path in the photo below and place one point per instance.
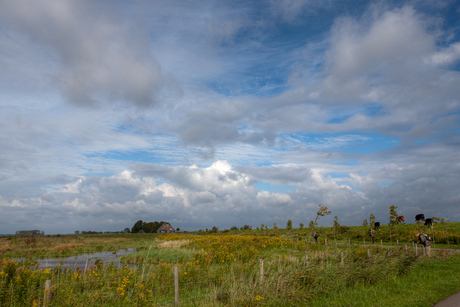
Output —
(451, 301)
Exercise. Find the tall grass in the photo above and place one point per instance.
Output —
(430, 281)
(216, 270)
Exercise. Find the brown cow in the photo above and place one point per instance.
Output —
(400, 219)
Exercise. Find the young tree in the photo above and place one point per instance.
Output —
(275, 227)
(289, 225)
(322, 211)
(372, 220)
(364, 225)
(301, 226)
(393, 215)
(336, 225)
(392, 219)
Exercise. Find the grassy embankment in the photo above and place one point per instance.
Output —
(223, 269)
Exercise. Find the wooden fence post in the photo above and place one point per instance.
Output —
(176, 286)
(306, 260)
(397, 242)
(368, 254)
(405, 248)
(47, 295)
(341, 258)
(325, 241)
(416, 250)
(261, 261)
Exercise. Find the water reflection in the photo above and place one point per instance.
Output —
(85, 260)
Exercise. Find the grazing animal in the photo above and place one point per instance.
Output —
(400, 219)
(428, 222)
(420, 217)
(377, 225)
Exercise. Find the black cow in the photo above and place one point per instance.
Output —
(420, 217)
(428, 222)
(377, 225)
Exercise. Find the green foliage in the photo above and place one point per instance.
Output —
(372, 220)
(152, 227)
(322, 211)
(289, 225)
(393, 214)
(146, 227)
(336, 222)
(137, 226)
(342, 230)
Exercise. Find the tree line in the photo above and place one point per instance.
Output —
(147, 227)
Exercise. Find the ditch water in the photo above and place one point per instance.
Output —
(85, 260)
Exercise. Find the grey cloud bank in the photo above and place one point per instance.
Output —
(228, 114)
(196, 197)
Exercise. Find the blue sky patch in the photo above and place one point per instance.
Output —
(274, 188)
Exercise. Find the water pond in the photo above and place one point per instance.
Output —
(84, 260)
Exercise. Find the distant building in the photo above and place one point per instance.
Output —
(166, 228)
(28, 233)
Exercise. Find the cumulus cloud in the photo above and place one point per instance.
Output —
(446, 56)
(225, 196)
(393, 38)
(100, 60)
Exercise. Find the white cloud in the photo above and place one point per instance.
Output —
(100, 60)
(446, 56)
(393, 38)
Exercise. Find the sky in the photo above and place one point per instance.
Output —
(227, 113)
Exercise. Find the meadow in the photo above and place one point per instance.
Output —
(260, 267)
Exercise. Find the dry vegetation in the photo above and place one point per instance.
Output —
(173, 244)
